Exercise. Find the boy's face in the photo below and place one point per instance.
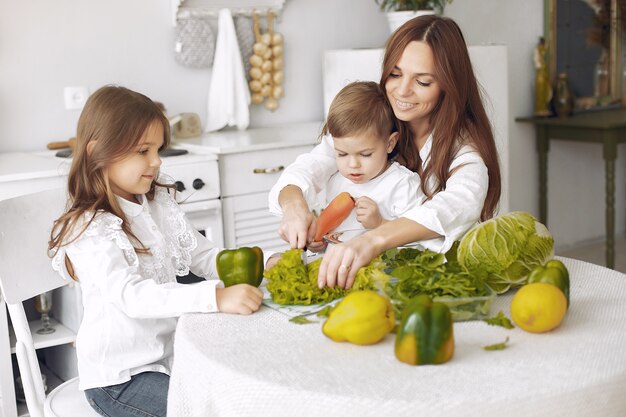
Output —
(363, 156)
(134, 174)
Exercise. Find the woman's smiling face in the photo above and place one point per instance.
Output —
(412, 87)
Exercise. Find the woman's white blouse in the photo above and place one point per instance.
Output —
(450, 213)
(131, 301)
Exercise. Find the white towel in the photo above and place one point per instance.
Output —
(229, 96)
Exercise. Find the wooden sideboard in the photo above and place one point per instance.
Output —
(607, 128)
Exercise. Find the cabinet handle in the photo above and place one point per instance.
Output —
(268, 170)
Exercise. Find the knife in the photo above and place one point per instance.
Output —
(304, 256)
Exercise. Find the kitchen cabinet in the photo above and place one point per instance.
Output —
(246, 179)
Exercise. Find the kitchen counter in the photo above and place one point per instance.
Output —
(235, 141)
(19, 166)
(16, 167)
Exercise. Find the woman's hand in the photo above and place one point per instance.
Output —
(341, 262)
(367, 213)
(298, 224)
(238, 299)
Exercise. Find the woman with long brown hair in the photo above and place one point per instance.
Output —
(445, 136)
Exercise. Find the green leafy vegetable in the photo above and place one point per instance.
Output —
(498, 346)
(301, 320)
(325, 312)
(291, 282)
(499, 320)
(505, 249)
(440, 276)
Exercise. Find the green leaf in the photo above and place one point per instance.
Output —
(301, 320)
(499, 320)
(497, 346)
(290, 282)
(325, 312)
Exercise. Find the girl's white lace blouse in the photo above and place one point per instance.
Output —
(131, 301)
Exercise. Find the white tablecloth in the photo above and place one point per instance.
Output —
(263, 365)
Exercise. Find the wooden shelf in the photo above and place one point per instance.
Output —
(61, 336)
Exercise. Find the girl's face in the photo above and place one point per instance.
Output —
(363, 156)
(412, 87)
(134, 174)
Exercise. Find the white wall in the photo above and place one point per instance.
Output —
(575, 171)
(47, 45)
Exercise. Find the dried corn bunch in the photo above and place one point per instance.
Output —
(266, 65)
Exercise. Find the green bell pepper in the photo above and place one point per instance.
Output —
(240, 266)
(553, 272)
(424, 335)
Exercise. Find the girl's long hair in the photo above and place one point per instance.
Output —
(458, 118)
(115, 119)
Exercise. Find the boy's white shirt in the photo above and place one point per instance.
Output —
(132, 301)
(450, 213)
(394, 192)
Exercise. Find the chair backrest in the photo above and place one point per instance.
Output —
(26, 271)
(25, 224)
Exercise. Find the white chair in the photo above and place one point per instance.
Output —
(25, 271)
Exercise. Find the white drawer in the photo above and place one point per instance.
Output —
(253, 172)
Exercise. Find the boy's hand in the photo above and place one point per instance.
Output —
(317, 246)
(367, 213)
(238, 299)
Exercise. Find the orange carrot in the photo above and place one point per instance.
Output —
(335, 213)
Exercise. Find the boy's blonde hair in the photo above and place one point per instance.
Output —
(360, 107)
(113, 120)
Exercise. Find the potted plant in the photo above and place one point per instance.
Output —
(399, 11)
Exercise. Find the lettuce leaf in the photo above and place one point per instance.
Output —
(291, 282)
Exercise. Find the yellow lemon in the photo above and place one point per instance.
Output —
(362, 318)
(538, 307)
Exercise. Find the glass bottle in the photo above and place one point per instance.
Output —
(43, 305)
(601, 76)
(543, 89)
(564, 100)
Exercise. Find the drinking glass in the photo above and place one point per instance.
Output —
(43, 304)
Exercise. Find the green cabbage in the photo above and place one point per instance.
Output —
(505, 249)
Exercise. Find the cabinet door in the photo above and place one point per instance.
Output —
(248, 222)
(255, 171)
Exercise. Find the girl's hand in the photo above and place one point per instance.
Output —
(367, 213)
(341, 262)
(238, 299)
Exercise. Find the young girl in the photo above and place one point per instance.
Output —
(125, 239)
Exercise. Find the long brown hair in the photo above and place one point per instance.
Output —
(458, 118)
(115, 119)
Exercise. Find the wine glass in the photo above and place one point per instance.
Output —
(43, 304)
